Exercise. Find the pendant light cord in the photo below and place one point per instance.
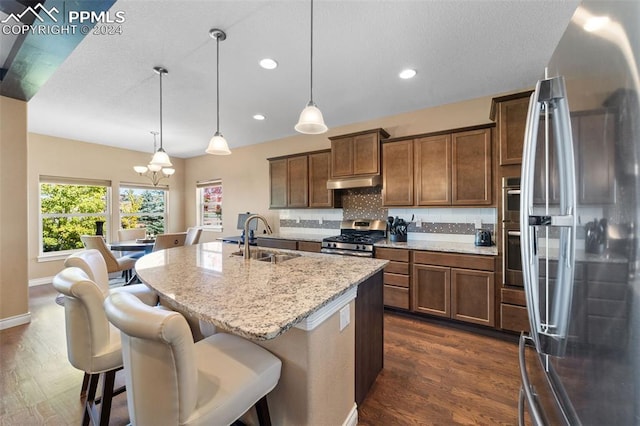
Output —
(311, 73)
(161, 110)
(217, 85)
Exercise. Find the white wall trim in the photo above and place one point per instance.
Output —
(352, 418)
(15, 321)
(318, 317)
(40, 281)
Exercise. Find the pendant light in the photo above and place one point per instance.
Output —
(154, 172)
(311, 121)
(160, 158)
(218, 144)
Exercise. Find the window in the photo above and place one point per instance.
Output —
(70, 208)
(210, 204)
(143, 207)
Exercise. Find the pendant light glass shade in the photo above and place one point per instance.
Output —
(311, 121)
(161, 159)
(218, 145)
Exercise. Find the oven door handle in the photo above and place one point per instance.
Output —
(513, 192)
(513, 233)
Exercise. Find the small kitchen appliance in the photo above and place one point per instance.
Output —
(356, 238)
(483, 237)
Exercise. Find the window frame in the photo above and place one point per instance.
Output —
(200, 187)
(164, 215)
(61, 180)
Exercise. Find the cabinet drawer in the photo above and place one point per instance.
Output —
(605, 290)
(399, 255)
(309, 246)
(513, 296)
(483, 263)
(514, 318)
(397, 297)
(396, 279)
(608, 272)
(397, 268)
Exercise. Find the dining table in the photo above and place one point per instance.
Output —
(139, 246)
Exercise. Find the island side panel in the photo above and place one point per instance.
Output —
(369, 335)
(316, 384)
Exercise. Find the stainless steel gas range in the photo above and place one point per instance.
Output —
(356, 238)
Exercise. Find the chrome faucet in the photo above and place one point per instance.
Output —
(245, 252)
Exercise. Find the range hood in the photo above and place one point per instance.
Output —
(368, 181)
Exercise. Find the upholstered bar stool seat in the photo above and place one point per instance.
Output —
(173, 381)
(114, 264)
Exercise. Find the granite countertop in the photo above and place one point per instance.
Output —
(443, 246)
(254, 299)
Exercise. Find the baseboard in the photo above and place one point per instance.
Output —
(352, 418)
(40, 281)
(15, 321)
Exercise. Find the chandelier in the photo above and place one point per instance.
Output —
(153, 171)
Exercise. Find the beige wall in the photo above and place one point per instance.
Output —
(53, 156)
(14, 301)
(245, 173)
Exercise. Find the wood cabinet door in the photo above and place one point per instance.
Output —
(471, 174)
(473, 296)
(298, 181)
(319, 172)
(278, 183)
(512, 120)
(431, 290)
(432, 182)
(397, 173)
(342, 157)
(366, 154)
(596, 144)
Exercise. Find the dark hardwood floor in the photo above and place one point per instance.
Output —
(433, 375)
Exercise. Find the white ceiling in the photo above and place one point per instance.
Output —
(107, 93)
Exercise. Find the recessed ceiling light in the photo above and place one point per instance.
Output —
(268, 64)
(259, 117)
(595, 23)
(408, 73)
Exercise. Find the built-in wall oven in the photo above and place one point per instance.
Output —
(511, 257)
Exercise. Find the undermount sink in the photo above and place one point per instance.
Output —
(268, 256)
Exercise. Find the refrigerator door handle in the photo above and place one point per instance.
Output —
(549, 333)
(526, 390)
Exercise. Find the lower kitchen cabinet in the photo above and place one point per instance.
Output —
(442, 287)
(277, 243)
(513, 310)
(396, 276)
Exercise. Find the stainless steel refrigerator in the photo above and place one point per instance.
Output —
(579, 218)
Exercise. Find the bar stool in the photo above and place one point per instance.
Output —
(93, 345)
(171, 380)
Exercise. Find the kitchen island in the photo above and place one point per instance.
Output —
(304, 309)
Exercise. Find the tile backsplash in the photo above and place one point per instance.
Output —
(457, 224)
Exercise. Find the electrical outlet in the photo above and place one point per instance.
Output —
(345, 317)
(320, 221)
(478, 223)
(298, 219)
(418, 223)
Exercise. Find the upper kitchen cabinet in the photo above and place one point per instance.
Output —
(300, 181)
(397, 173)
(449, 168)
(510, 114)
(319, 173)
(433, 170)
(471, 172)
(289, 182)
(356, 154)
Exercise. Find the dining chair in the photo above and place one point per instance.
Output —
(114, 264)
(193, 236)
(131, 234)
(169, 240)
(211, 382)
(93, 344)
